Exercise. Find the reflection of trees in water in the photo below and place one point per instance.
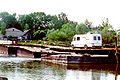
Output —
(116, 71)
(109, 68)
(48, 71)
(99, 71)
(7, 66)
(56, 71)
(99, 75)
(34, 69)
(96, 75)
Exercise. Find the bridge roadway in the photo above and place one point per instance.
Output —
(52, 50)
(101, 51)
(68, 54)
(43, 50)
(75, 56)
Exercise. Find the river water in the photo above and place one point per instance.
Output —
(34, 69)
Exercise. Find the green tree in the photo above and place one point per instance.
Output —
(40, 21)
(9, 20)
(37, 19)
(63, 16)
(82, 28)
(3, 15)
(52, 35)
(105, 24)
(3, 25)
(64, 34)
(54, 22)
(26, 27)
(88, 24)
(35, 22)
(39, 34)
(107, 34)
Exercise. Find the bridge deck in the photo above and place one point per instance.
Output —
(68, 50)
(66, 54)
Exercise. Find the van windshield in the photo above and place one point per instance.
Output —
(98, 37)
(94, 37)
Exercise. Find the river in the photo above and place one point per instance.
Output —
(15, 68)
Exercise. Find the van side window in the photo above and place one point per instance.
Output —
(78, 38)
(98, 37)
(74, 39)
(94, 37)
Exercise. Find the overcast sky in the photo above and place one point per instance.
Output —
(76, 10)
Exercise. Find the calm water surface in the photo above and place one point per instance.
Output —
(30, 69)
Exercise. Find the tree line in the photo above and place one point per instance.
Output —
(54, 27)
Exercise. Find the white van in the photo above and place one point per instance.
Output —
(88, 40)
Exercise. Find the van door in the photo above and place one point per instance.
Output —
(97, 41)
(81, 41)
(77, 43)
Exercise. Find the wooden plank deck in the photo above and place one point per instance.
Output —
(67, 54)
(68, 50)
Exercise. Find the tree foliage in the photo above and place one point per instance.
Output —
(82, 28)
(107, 32)
(64, 34)
(40, 21)
(9, 20)
(54, 27)
(2, 28)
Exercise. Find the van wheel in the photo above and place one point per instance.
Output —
(85, 46)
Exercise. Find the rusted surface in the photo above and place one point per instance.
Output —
(62, 54)
(24, 53)
(3, 50)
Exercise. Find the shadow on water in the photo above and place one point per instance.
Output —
(97, 68)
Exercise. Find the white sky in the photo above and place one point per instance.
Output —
(76, 10)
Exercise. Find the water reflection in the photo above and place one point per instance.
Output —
(30, 69)
(95, 72)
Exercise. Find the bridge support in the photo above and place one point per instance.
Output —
(12, 51)
(3, 78)
(37, 55)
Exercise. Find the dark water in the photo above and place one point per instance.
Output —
(30, 69)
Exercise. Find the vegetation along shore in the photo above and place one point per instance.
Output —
(53, 29)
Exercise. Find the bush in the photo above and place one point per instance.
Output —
(64, 34)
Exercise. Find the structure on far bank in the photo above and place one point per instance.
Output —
(13, 33)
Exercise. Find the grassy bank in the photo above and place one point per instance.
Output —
(53, 43)
(60, 43)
